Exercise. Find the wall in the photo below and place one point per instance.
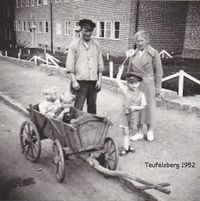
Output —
(165, 20)
(192, 34)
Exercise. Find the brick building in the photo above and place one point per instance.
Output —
(7, 11)
(172, 24)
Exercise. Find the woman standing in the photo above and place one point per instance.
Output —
(146, 61)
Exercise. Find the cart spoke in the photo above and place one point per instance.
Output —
(108, 165)
(28, 149)
(25, 129)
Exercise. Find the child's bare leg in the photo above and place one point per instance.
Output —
(126, 138)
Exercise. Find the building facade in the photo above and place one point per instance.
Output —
(7, 15)
(54, 23)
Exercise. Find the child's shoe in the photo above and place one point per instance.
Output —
(137, 136)
(124, 152)
(131, 149)
(150, 135)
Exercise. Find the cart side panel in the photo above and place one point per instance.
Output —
(49, 128)
(90, 133)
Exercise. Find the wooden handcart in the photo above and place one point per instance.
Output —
(87, 135)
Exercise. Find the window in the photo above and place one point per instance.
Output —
(45, 2)
(22, 3)
(40, 25)
(23, 26)
(7, 11)
(108, 29)
(101, 29)
(67, 28)
(46, 27)
(58, 28)
(116, 30)
(18, 3)
(39, 2)
(18, 26)
(7, 34)
(15, 25)
(57, 1)
(28, 26)
(32, 2)
(27, 3)
(66, 0)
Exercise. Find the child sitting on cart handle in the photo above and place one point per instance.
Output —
(133, 102)
(51, 101)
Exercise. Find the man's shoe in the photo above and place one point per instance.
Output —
(150, 136)
(137, 136)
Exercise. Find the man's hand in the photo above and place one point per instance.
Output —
(157, 94)
(98, 84)
(75, 85)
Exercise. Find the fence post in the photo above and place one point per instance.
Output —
(35, 60)
(19, 55)
(111, 69)
(181, 83)
(6, 53)
(29, 51)
(107, 56)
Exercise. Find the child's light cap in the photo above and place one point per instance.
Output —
(66, 97)
(49, 90)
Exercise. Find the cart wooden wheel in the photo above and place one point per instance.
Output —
(59, 161)
(111, 154)
(30, 141)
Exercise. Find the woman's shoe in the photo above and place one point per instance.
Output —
(137, 136)
(150, 135)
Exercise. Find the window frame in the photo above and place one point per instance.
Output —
(46, 28)
(40, 27)
(113, 30)
(23, 3)
(67, 28)
(45, 2)
(39, 2)
(27, 3)
(57, 28)
(18, 3)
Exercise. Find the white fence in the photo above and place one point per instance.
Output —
(49, 60)
(181, 74)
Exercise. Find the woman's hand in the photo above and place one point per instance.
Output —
(130, 53)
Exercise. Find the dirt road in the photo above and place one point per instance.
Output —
(23, 180)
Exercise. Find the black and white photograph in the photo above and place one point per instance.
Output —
(99, 100)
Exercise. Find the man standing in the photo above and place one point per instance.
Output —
(85, 65)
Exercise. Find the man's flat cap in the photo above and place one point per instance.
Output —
(87, 23)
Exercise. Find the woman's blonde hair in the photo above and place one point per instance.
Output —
(144, 34)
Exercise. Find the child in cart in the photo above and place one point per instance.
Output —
(51, 102)
(66, 112)
(133, 102)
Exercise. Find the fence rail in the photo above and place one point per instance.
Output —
(181, 74)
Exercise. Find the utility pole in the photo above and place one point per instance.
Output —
(51, 19)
